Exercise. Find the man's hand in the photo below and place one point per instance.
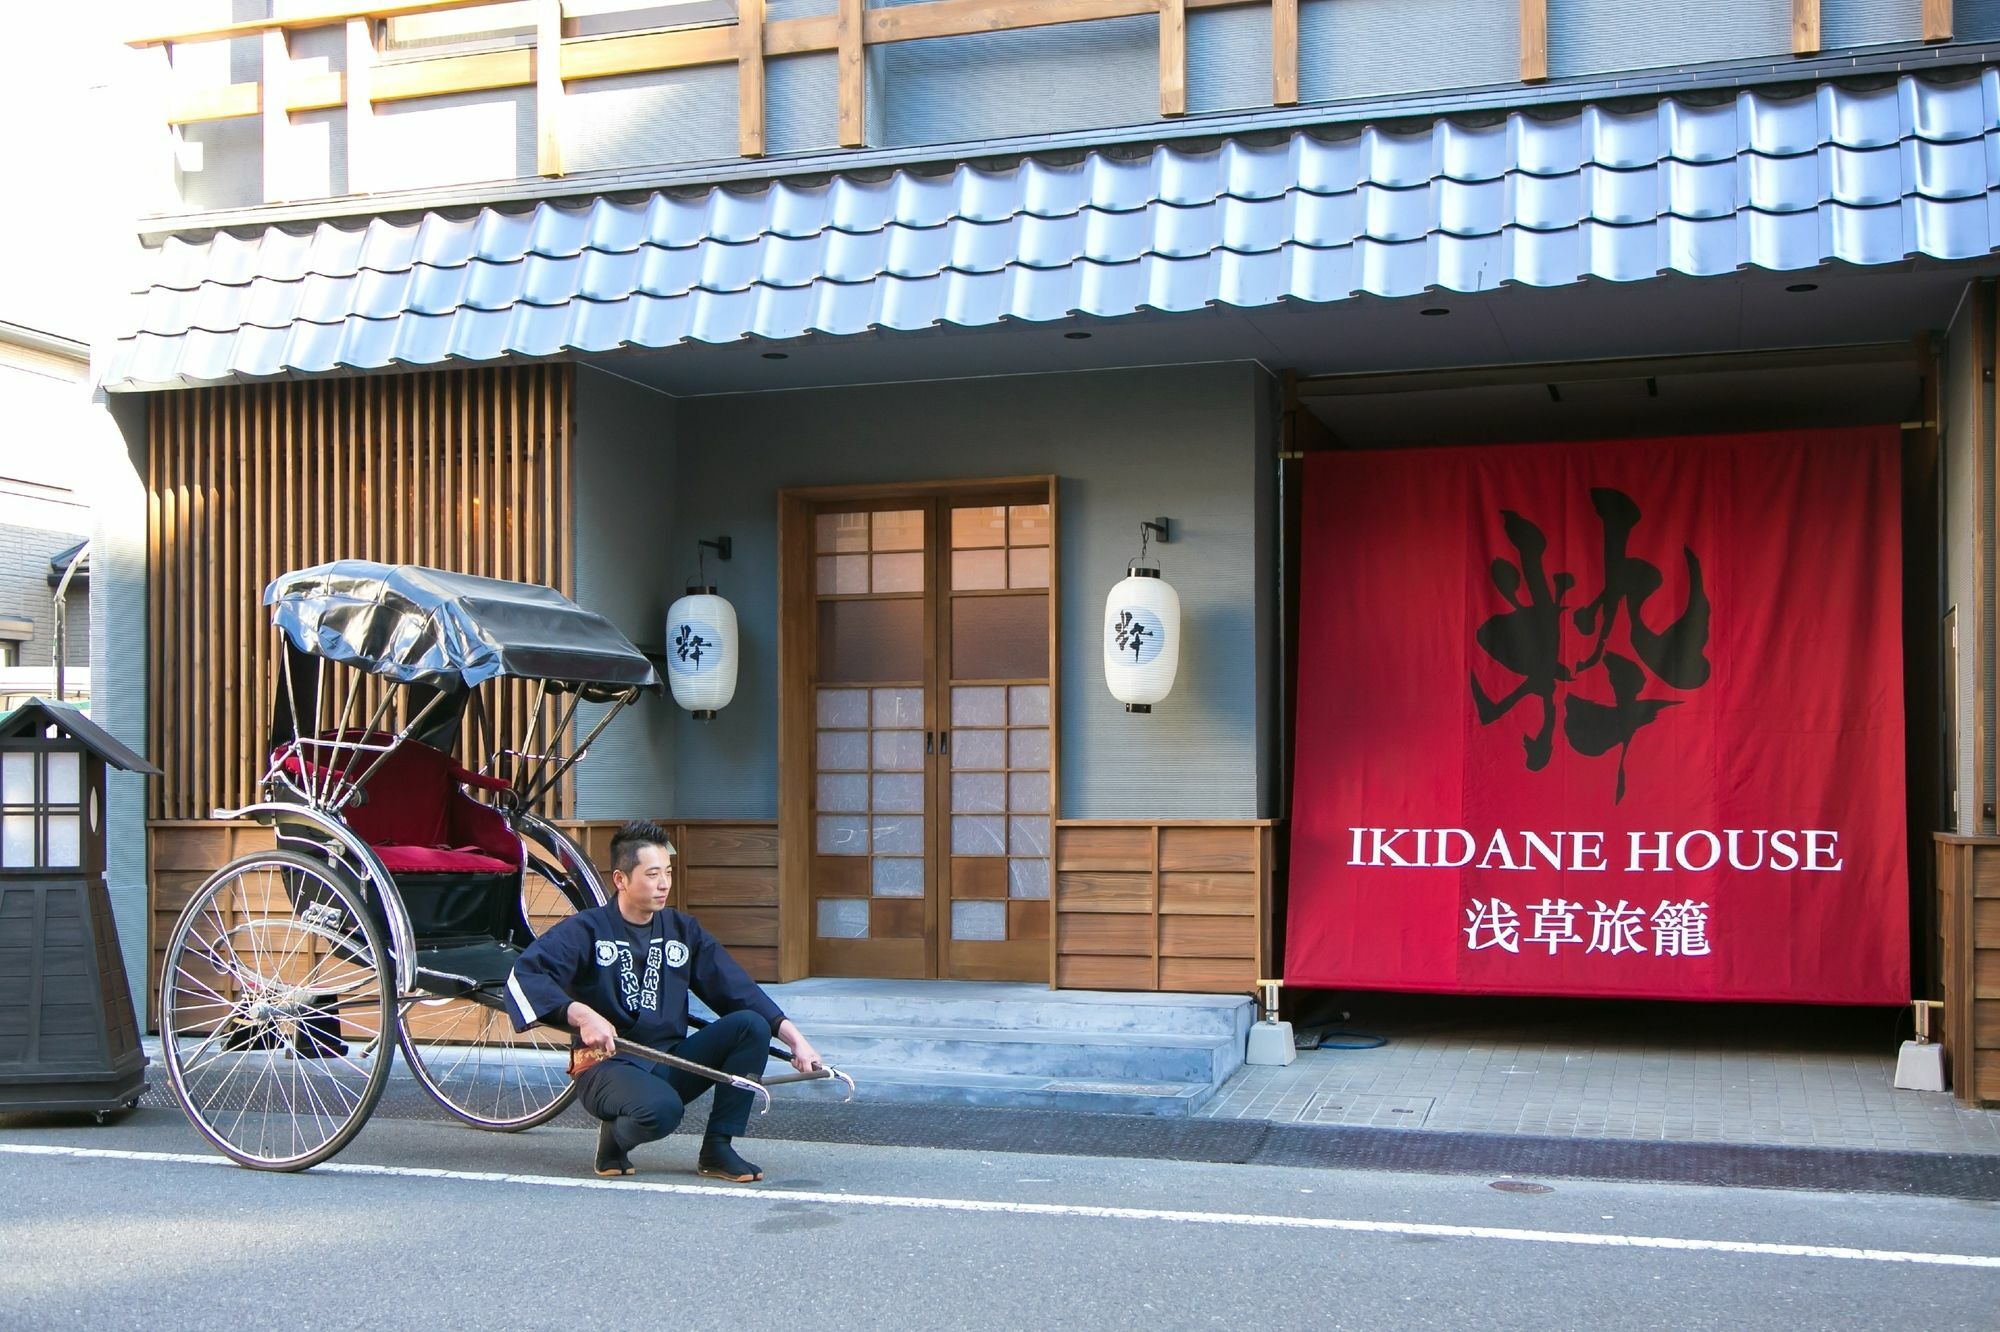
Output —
(595, 1031)
(804, 1058)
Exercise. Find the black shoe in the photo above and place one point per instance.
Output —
(719, 1161)
(611, 1159)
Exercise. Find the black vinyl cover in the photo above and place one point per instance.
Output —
(451, 630)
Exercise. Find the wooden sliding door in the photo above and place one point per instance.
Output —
(920, 703)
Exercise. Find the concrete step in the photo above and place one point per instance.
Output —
(1095, 1056)
(1010, 1091)
(1009, 1006)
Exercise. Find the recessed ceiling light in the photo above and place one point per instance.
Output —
(1433, 311)
(777, 356)
(1803, 286)
(1077, 336)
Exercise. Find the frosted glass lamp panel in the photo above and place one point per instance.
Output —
(1028, 837)
(842, 793)
(899, 751)
(1029, 705)
(900, 708)
(1028, 793)
(17, 778)
(843, 918)
(978, 792)
(978, 921)
(1028, 879)
(843, 751)
(65, 846)
(899, 834)
(702, 651)
(17, 840)
(843, 707)
(978, 705)
(843, 835)
(65, 779)
(895, 877)
(1142, 640)
(1028, 749)
(978, 749)
(899, 793)
(978, 835)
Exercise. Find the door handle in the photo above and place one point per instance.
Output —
(944, 742)
(930, 742)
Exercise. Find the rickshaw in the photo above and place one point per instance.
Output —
(402, 884)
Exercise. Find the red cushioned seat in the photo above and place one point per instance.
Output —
(440, 860)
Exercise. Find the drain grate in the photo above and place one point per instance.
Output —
(1368, 1109)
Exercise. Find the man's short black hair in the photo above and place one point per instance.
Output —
(627, 841)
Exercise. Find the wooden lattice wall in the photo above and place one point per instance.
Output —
(465, 470)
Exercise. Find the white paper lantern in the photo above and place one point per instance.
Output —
(1142, 638)
(701, 652)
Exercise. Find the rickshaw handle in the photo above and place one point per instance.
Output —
(741, 1084)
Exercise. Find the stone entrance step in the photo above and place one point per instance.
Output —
(1023, 1046)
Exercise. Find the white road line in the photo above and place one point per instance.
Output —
(975, 1205)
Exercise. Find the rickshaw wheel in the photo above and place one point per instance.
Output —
(468, 1056)
(276, 995)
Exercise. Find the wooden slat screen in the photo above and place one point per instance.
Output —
(465, 470)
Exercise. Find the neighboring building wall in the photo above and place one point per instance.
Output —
(1188, 442)
(43, 510)
(1967, 438)
(630, 565)
(25, 592)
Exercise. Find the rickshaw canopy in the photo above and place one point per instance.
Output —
(452, 631)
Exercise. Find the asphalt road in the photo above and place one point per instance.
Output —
(138, 1225)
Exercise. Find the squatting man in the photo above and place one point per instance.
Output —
(624, 970)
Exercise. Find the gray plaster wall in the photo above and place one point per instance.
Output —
(1967, 444)
(1189, 442)
(629, 569)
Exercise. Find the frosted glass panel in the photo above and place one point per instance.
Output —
(843, 751)
(899, 529)
(17, 840)
(984, 525)
(979, 920)
(1030, 704)
(899, 573)
(978, 571)
(978, 749)
(841, 531)
(897, 793)
(1028, 568)
(1028, 793)
(977, 792)
(979, 706)
(899, 878)
(843, 707)
(1029, 837)
(899, 707)
(899, 751)
(978, 835)
(65, 772)
(840, 794)
(843, 575)
(1029, 749)
(17, 779)
(899, 834)
(843, 918)
(64, 848)
(843, 835)
(1028, 879)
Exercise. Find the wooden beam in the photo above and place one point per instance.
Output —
(1534, 41)
(850, 33)
(1805, 27)
(1937, 20)
(1284, 52)
(750, 78)
(643, 53)
(1173, 57)
(277, 119)
(548, 88)
(325, 16)
(481, 72)
(956, 18)
(360, 105)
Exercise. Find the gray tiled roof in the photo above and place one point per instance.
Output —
(1861, 176)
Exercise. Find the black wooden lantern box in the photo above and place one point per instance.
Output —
(69, 1038)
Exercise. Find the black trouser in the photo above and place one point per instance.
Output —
(647, 1103)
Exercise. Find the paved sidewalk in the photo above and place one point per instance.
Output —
(1782, 1076)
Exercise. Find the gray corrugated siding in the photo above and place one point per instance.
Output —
(637, 118)
(628, 569)
(1128, 445)
(1963, 451)
(1229, 59)
(1599, 36)
(1870, 22)
(1974, 20)
(448, 140)
(1370, 48)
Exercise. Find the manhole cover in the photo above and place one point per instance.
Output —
(1519, 1186)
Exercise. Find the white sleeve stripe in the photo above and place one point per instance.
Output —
(524, 1012)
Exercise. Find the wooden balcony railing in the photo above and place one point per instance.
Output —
(553, 59)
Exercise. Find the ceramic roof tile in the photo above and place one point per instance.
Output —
(1863, 176)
